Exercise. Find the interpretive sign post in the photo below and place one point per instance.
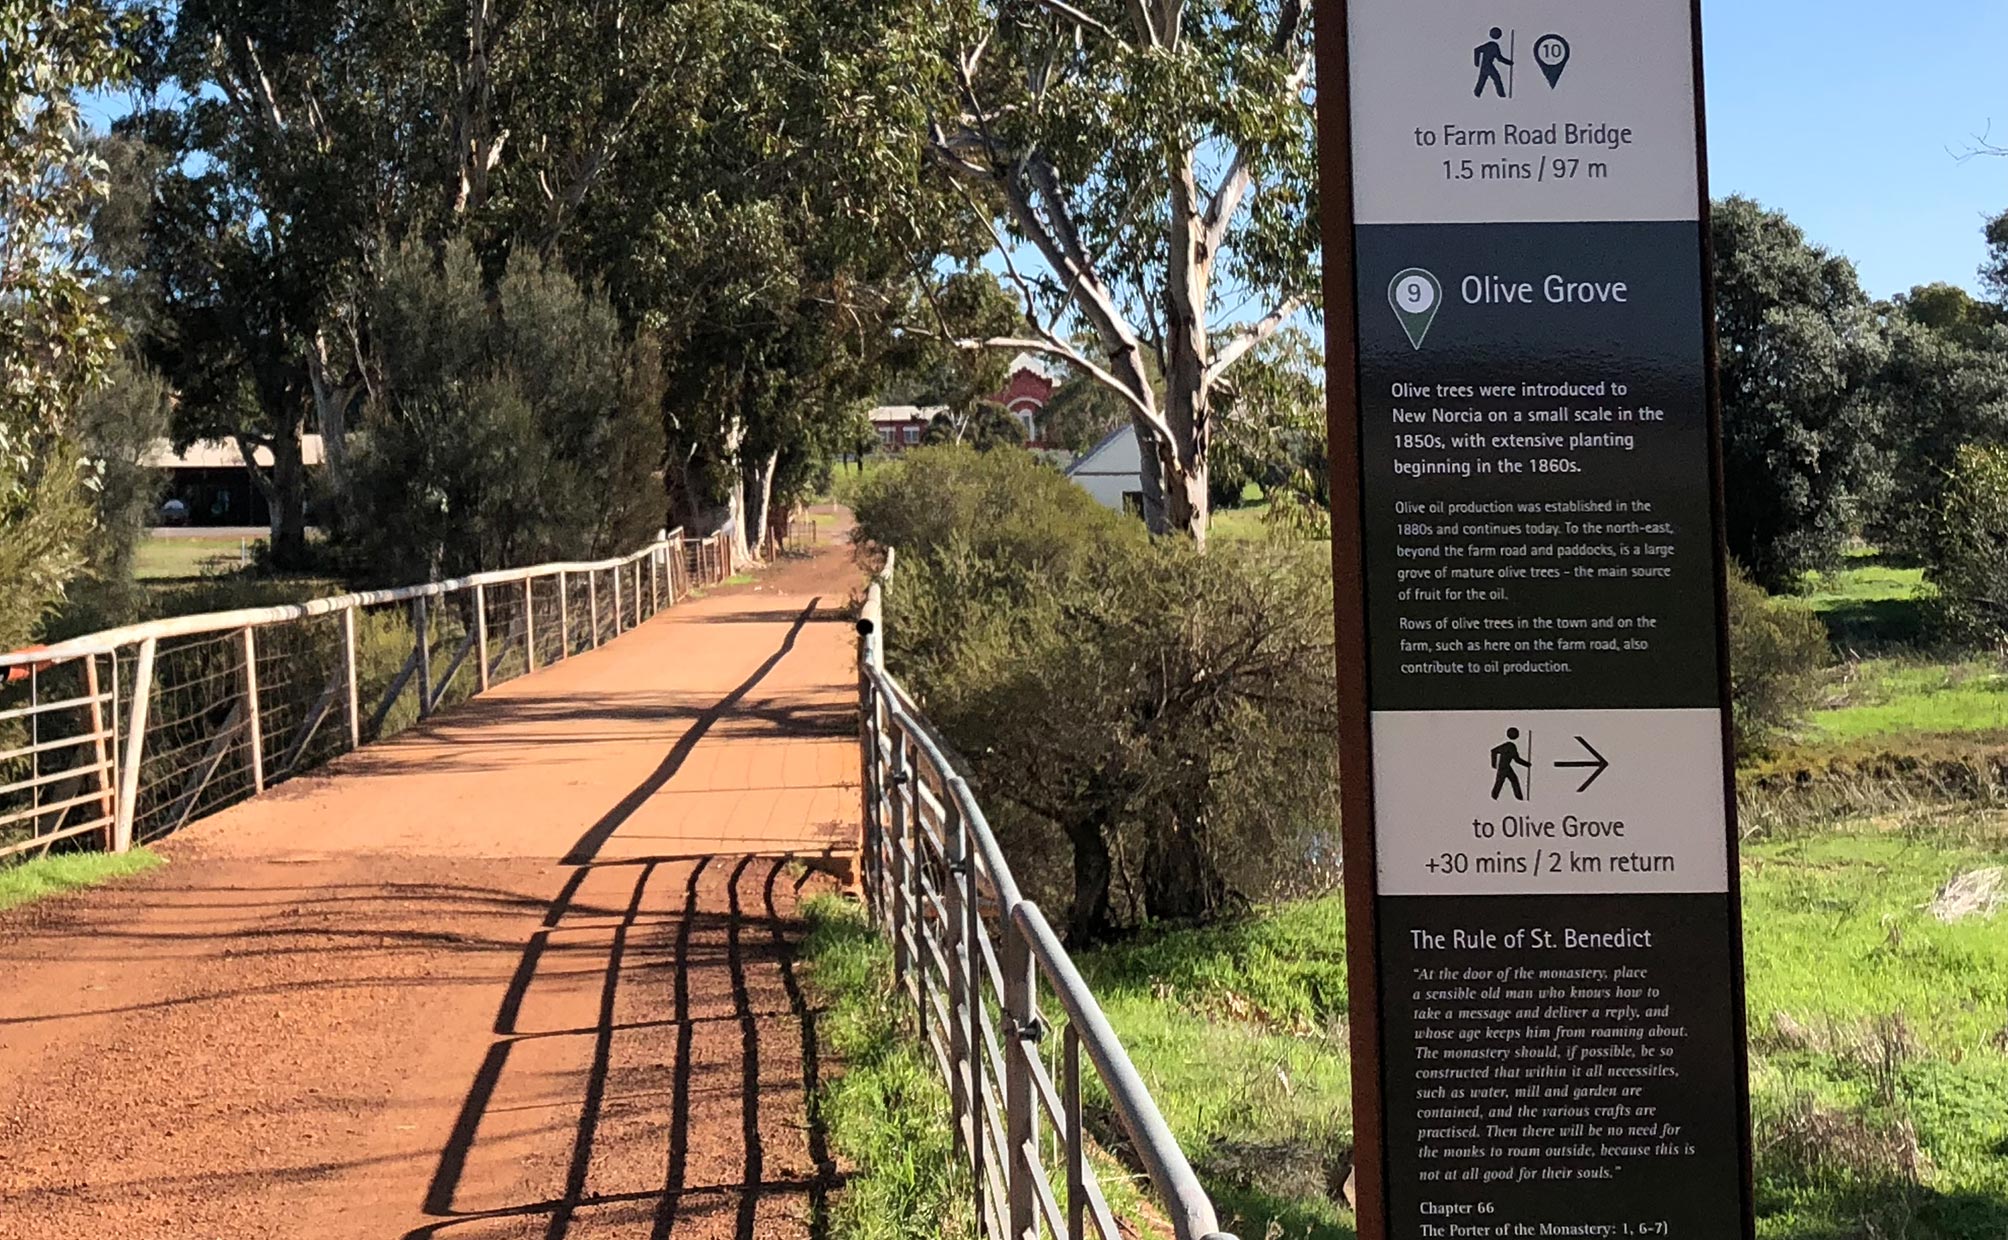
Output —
(1539, 808)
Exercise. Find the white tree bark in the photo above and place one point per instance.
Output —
(762, 508)
(1177, 429)
(332, 399)
(735, 440)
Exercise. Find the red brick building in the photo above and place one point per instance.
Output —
(900, 427)
(1026, 391)
(1027, 388)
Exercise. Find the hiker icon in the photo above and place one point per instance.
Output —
(1488, 57)
(1505, 757)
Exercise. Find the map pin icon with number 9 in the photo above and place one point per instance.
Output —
(1416, 296)
(1551, 52)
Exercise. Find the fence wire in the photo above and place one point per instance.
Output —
(58, 747)
(1044, 1097)
(228, 705)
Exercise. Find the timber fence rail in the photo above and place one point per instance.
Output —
(1021, 1043)
(793, 537)
(708, 560)
(128, 734)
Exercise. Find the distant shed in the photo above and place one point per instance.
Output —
(214, 484)
(1112, 471)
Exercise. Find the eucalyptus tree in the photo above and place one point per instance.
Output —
(773, 240)
(296, 137)
(1145, 169)
(56, 337)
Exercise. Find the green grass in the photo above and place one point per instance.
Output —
(1869, 605)
(23, 882)
(1901, 695)
(887, 1115)
(1875, 1026)
(1240, 524)
(1239, 1033)
(1885, 690)
(192, 556)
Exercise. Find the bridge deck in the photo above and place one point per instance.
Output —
(524, 971)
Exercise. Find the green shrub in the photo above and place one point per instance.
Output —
(1151, 727)
(1005, 508)
(1776, 652)
(1970, 551)
(513, 431)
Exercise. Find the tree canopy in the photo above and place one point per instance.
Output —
(1144, 172)
(1800, 351)
(57, 338)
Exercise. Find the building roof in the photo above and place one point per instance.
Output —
(1111, 456)
(222, 454)
(896, 414)
(1038, 364)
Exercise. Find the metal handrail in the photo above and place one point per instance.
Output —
(107, 640)
(937, 883)
(132, 732)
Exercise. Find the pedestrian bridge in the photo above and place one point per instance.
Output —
(480, 920)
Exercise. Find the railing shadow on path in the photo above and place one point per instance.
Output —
(596, 836)
(718, 944)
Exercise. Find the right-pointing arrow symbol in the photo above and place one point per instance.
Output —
(1597, 765)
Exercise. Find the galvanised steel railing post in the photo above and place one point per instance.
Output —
(530, 623)
(1077, 1171)
(421, 629)
(35, 744)
(868, 772)
(252, 715)
(916, 893)
(355, 706)
(481, 636)
(1021, 1128)
(972, 989)
(896, 897)
(564, 616)
(593, 607)
(108, 798)
(618, 616)
(888, 854)
(965, 991)
(142, 695)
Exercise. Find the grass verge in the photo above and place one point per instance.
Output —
(193, 555)
(1879, 1033)
(1239, 1032)
(1879, 1037)
(1909, 695)
(23, 882)
(1879, 1040)
(888, 1113)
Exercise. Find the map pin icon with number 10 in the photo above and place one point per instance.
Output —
(1416, 296)
(1551, 52)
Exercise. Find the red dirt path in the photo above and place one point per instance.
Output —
(525, 971)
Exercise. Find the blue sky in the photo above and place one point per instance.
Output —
(1847, 115)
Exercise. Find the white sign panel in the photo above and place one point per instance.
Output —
(1541, 110)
